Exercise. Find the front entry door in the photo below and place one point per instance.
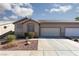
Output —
(30, 27)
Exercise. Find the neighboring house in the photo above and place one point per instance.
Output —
(6, 26)
(47, 28)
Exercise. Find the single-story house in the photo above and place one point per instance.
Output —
(47, 28)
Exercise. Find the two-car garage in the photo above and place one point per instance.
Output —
(56, 32)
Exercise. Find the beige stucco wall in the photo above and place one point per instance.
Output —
(23, 29)
(19, 30)
(36, 27)
(59, 25)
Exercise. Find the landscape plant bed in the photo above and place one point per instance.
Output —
(21, 45)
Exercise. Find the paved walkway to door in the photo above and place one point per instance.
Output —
(50, 47)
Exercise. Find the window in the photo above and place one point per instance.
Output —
(5, 27)
(30, 27)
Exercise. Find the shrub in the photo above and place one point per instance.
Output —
(11, 33)
(11, 38)
(26, 34)
(30, 34)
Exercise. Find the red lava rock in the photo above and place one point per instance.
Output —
(21, 45)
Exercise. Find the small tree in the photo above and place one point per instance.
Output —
(77, 18)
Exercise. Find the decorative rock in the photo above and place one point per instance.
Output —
(27, 43)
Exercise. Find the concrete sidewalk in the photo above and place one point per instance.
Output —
(49, 47)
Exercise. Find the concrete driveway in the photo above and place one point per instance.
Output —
(50, 47)
(59, 47)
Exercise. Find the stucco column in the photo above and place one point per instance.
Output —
(62, 32)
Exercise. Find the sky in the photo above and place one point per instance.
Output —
(39, 11)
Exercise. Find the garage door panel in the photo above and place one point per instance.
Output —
(49, 32)
(72, 32)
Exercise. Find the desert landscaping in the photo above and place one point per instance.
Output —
(20, 45)
(11, 42)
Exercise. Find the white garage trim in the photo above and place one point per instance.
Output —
(50, 32)
(71, 31)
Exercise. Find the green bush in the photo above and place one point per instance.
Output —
(11, 38)
(11, 33)
(26, 34)
(30, 34)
